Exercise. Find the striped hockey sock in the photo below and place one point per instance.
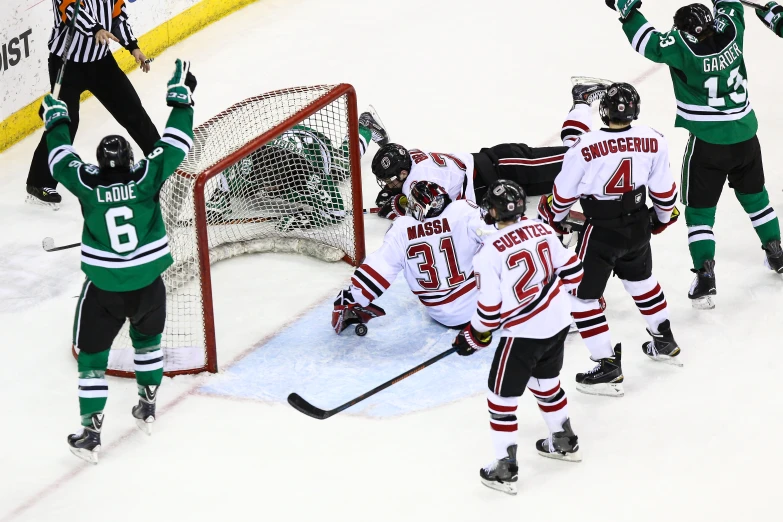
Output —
(147, 359)
(701, 239)
(502, 422)
(592, 325)
(762, 215)
(93, 387)
(552, 401)
(650, 301)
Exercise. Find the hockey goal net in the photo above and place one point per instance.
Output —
(275, 173)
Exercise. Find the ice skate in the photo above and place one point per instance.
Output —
(774, 260)
(144, 411)
(605, 379)
(44, 196)
(372, 121)
(702, 292)
(86, 443)
(590, 91)
(562, 445)
(502, 474)
(298, 221)
(663, 347)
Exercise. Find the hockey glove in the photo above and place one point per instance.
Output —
(385, 195)
(655, 224)
(772, 17)
(394, 208)
(347, 312)
(181, 86)
(469, 341)
(624, 7)
(54, 112)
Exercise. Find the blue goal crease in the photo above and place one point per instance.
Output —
(328, 369)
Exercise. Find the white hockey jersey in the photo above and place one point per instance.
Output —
(605, 164)
(436, 256)
(453, 172)
(524, 274)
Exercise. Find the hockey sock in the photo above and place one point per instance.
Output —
(761, 215)
(93, 388)
(650, 301)
(701, 239)
(502, 422)
(552, 401)
(592, 325)
(576, 123)
(148, 359)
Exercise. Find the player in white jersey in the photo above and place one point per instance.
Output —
(610, 172)
(433, 245)
(464, 176)
(524, 275)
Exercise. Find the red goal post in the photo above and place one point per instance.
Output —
(258, 160)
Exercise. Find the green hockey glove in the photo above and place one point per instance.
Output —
(181, 86)
(772, 17)
(54, 112)
(624, 7)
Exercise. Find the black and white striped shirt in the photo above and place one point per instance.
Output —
(94, 15)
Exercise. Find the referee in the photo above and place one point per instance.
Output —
(91, 67)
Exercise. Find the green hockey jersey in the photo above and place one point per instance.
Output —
(124, 241)
(709, 77)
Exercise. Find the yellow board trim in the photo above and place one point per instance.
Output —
(25, 121)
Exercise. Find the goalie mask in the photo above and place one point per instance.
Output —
(507, 198)
(389, 162)
(427, 200)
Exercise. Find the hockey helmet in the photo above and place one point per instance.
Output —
(427, 200)
(389, 162)
(507, 198)
(621, 104)
(695, 19)
(115, 153)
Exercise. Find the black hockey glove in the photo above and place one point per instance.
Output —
(624, 7)
(347, 312)
(385, 195)
(655, 224)
(772, 17)
(394, 208)
(469, 341)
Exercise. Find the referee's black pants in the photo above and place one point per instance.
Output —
(106, 81)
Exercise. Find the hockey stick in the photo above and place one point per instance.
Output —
(308, 409)
(68, 41)
(753, 5)
(48, 245)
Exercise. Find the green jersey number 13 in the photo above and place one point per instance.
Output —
(116, 231)
(735, 80)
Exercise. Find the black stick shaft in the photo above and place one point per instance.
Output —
(360, 398)
(68, 41)
(752, 4)
(55, 249)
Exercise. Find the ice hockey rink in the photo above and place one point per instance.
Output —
(695, 443)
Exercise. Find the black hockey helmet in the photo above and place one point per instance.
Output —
(507, 198)
(621, 104)
(115, 153)
(389, 161)
(427, 199)
(696, 20)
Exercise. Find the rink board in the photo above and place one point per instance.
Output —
(328, 370)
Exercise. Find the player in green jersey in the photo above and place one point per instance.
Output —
(772, 17)
(124, 252)
(296, 175)
(705, 55)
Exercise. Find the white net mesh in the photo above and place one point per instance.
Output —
(292, 194)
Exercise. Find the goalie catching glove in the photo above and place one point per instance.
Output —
(655, 224)
(181, 86)
(469, 341)
(347, 312)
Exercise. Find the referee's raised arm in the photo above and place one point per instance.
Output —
(91, 67)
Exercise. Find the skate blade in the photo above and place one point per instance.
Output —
(568, 457)
(35, 201)
(667, 359)
(378, 119)
(704, 303)
(87, 455)
(145, 425)
(509, 488)
(607, 389)
(589, 80)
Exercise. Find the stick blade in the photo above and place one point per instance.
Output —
(47, 243)
(305, 407)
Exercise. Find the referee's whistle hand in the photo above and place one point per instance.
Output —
(141, 60)
(103, 37)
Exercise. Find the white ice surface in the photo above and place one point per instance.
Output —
(696, 443)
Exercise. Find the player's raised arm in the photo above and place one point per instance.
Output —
(644, 38)
(64, 163)
(772, 17)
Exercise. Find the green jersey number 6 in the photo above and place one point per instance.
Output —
(116, 231)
